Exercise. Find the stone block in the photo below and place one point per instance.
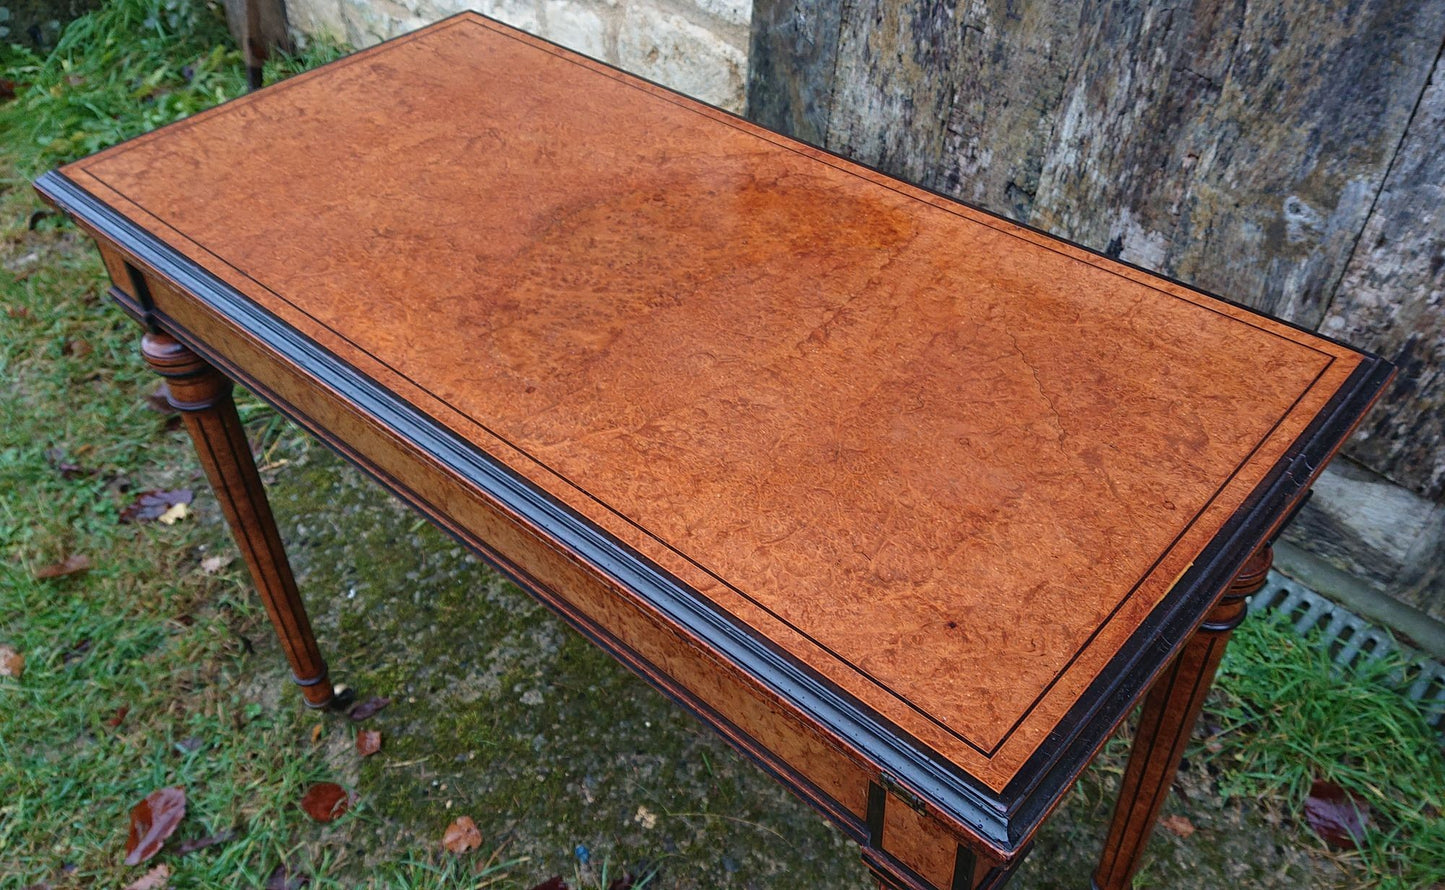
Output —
(665, 46)
(577, 26)
(731, 12)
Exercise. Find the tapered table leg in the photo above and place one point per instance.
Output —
(203, 396)
(1165, 724)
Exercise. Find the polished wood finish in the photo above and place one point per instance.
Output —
(908, 502)
(705, 340)
(203, 396)
(1165, 724)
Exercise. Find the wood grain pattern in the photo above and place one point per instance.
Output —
(883, 487)
(1241, 147)
(203, 396)
(823, 771)
(555, 305)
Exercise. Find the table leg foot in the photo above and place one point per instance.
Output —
(1165, 724)
(203, 396)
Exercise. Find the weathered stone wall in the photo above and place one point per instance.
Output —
(696, 46)
(1289, 155)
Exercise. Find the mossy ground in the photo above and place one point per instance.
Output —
(503, 712)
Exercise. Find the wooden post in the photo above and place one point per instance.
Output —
(1165, 724)
(259, 27)
(203, 396)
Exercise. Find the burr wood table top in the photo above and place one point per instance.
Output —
(960, 487)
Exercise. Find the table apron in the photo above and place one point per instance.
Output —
(920, 845)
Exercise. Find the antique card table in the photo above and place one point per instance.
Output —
(911, 504)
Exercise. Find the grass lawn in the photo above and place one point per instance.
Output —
(155, 667)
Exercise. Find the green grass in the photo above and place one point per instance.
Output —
(149, 631)
(125, 69)
(1292, 717)
(146, 630)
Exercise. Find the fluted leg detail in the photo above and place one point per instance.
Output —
(1165, 725)
(203, 396)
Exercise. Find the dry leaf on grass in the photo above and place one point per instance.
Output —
(12, 663)
(1336, 815)
(67, 468)
(316, 733)
(73, 564)
(152, 821)
(368, 708)
(283, 877)
(173, 514)
(462, 836)
(155, 879)
(368, 742)
(202, 843)
(76, 652)
(151, 505)
(1179, 825)
(325, 801)
(553, 883)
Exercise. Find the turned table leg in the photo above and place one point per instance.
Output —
(203, 396)
(1165, 724)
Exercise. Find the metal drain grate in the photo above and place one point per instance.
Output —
(1354, 641)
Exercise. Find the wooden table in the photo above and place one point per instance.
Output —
(909, 502)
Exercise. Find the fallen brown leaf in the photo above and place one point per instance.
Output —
(78, 348)
(316, 733)
(63, 465)
(155, 879)
(152, 821)
(1337, 816)
(325, 801)
(12, 663)
(202, 843)
(462, 836)
(73, 564)
(1179, 825)
(553, 883)
(368, 708)
(76, 652)
(118, 717)
(283, 878)
(151, 505)
(368, 742)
